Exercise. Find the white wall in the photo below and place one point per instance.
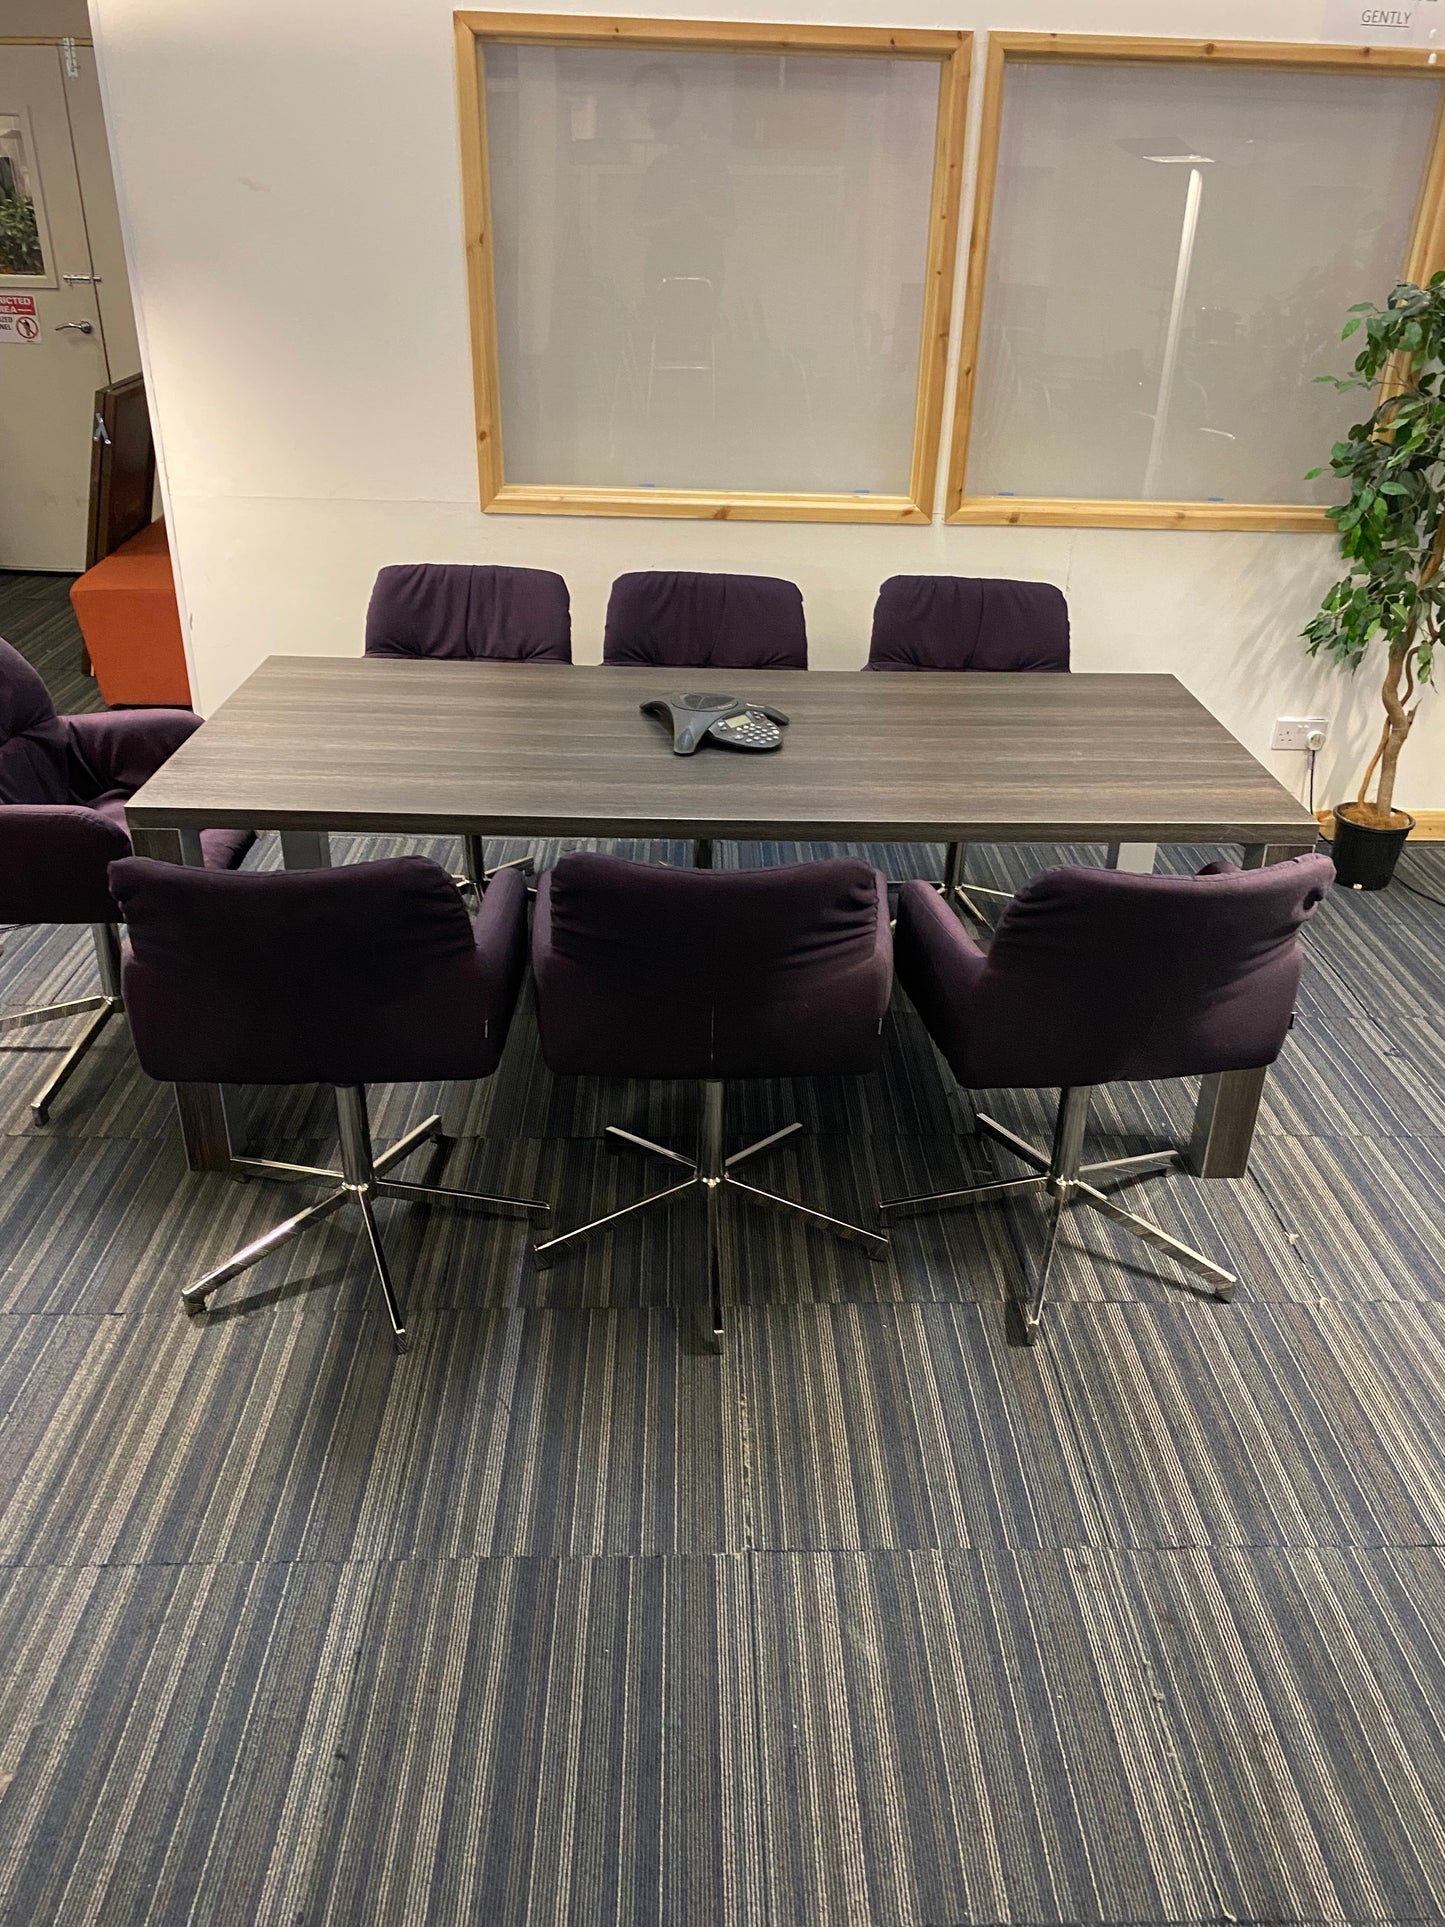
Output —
(290, 181)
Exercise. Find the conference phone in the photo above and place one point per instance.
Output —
(699, 715)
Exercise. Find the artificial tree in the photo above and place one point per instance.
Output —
(1392, 528)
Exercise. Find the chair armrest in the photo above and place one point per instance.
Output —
(500, 929)
(938, 964)
(119, 749)
(53, 860)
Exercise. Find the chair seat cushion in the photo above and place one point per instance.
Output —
(126, 608)
(222, 849)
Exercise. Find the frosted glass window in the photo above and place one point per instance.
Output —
(709, 265)
(1171, 257)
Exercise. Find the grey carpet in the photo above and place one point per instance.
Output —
(36, 616)
(879, 1618)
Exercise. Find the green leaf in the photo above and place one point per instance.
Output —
(1393, 465)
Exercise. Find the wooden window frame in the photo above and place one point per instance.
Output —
(1425, 253)
(951, 51)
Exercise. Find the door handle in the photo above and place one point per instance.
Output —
(80, 327)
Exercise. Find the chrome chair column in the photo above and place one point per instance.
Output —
(105, 1006)
(957, 890)
(1136, 859)
(475, 874)
(361, 1179)
(1065, 1178)
(711, 1174)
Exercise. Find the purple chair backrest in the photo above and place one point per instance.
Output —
(1097, 975)
(649, 972)
(345, 976)
(462, 613)
(680, 620)
(34, 742)
(969, 622)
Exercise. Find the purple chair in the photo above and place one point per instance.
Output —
(650, 972)
(1094, 976)
(368, 974)
(64, 782)
(976, 623)
(460, 613)
(676, 619)
(456, 612)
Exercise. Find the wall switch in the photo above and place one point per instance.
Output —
(1294, 732)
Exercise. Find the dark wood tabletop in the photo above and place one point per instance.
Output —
(357, 743)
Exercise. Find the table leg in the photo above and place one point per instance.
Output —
(1257, 855)
(205, 1130)
(1135, 859)
(305, 850)
(1224, 1120)
(1228, 1106)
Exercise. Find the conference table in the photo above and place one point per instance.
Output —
(311, 746)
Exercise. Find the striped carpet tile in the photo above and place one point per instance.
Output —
(160, 1448)
(184, 1691)
(293, 1433)
(543, 1741)
(1301, 1691)
(1257, 1425)
(36, 617)
(887, 1425)
(1261, 1425)
(908, 1738)
(953, 1746)
(1365, 1216)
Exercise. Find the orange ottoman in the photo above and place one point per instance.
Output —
(126, 608)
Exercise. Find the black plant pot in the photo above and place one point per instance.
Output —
(1365, 857)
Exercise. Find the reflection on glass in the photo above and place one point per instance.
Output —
(709, 266)
(20, 247)
(1171, 259)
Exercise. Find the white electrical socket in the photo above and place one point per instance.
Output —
(1294, 732)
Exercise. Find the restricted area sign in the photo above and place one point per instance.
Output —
(18, 319)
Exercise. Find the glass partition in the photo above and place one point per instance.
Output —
(715, 272)
(1172, 250)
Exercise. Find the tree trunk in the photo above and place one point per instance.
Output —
(1397, 728)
